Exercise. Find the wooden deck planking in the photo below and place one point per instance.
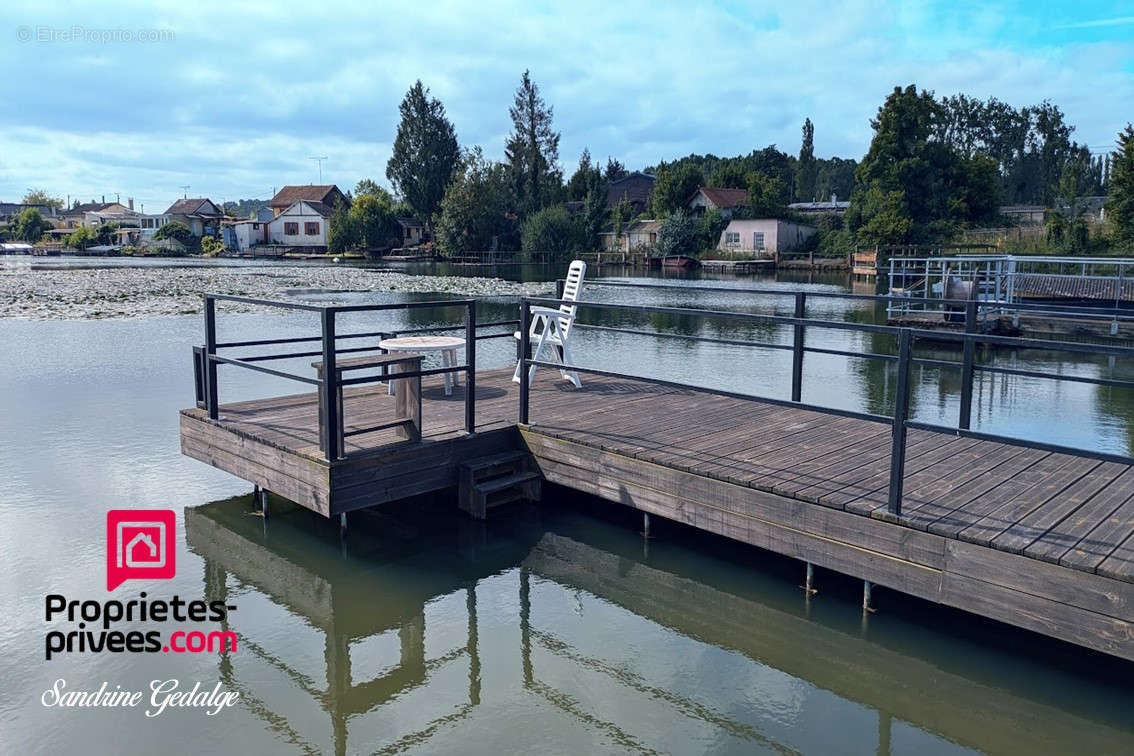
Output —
(989, 527)
(1042, 505)
(1120, 564)
(1020, 536)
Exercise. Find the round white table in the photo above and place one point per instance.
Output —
(446, 345)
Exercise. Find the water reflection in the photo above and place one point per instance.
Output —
(554, 631)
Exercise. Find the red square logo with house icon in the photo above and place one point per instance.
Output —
(140, 545)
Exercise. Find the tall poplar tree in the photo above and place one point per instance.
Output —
(532, 150)
(425, 154)
(805, 170)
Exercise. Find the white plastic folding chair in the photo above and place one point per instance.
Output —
(551, 327)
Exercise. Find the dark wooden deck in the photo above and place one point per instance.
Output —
(1040, 540)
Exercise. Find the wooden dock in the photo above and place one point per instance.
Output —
(1037, 539)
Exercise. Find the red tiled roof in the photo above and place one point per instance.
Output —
(724, 199)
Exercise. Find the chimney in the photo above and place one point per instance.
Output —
(104, 199)
(130, 203)
(834, 198)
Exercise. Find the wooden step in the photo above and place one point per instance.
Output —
(493, 464)
(508, 481)
(513, 479)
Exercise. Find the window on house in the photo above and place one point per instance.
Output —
(255, 226)
(732, 237)
(311, 228)
(291, 229)
(757, 239)
(147, 222)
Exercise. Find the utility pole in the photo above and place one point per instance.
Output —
(185, 191)
(319, 160)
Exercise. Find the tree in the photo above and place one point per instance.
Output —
(551, 230)
(913, 186)
(175, 230)
(30, 226)
(774, 164)
(710, 226)
(765, 197)
(620, 214)
(245, 208)
(678, 235)
(583, 177)
(729, 175)
(342, 231)
(370, 186)
(1120, 201)
(805, 169)
(834, 176)
(42, 198)
(106, 233)
(374, 223)
(882, 216)
(425, 153)
(674, 186)
(595, 212)
(83, 237)
(532, 150)
(476, 210)
(614, 170)
(211, 246)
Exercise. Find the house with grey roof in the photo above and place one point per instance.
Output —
(200, 214)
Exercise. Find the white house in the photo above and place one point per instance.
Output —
(303, 224)
(763, 236)
(248, 233)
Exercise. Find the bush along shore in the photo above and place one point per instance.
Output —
(139, 292)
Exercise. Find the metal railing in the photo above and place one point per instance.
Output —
(999, 282)
(207, 358)
(906, 340)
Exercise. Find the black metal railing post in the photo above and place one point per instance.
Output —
(332, 423)
(967, 359)
(797, 349)
(210, 352)
(470, 373)
(525, 355)
(901, 415)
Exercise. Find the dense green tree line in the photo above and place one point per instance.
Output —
(935, 167)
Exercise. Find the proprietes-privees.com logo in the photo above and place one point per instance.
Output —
(140, 545)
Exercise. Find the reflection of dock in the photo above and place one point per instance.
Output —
(313, 580)
(982, 715)
(347, 598)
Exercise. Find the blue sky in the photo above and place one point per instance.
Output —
(244, 92)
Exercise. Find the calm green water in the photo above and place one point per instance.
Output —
(555, 630)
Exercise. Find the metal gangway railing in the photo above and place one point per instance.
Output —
(1004, 285)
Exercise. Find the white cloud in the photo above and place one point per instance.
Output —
(240, 98)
